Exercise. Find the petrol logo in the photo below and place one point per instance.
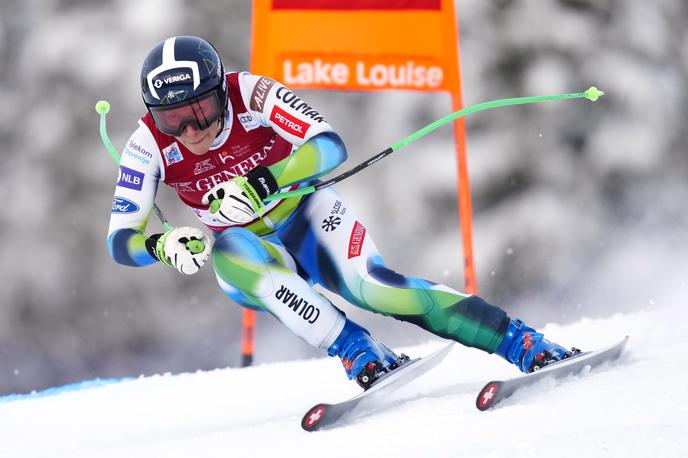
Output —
(289, 123)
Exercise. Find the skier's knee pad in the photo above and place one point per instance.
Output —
(390, 293)
(241, 260)
(236, 246)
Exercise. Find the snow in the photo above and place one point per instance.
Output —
(635, 407)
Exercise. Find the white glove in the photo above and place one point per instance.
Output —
(234, 202)
(185, 248)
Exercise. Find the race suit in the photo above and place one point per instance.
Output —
(271, 263)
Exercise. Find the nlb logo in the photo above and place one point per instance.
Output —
(130, 178)
(121, 205)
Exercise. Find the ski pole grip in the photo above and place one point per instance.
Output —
(102, 108)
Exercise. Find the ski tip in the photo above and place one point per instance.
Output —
(313, 419)
(488, 395)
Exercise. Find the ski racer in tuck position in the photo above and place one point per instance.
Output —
(225, 141)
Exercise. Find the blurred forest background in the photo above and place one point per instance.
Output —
(579, 208)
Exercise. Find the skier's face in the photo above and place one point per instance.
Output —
(198, 141)
(202, 112)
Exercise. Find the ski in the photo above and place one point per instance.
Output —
(322, 416)
(497, 390)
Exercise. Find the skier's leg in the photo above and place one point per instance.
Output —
(345, 260)
(260, 274)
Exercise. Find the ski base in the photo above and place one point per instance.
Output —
(322, 416)
(497, 390)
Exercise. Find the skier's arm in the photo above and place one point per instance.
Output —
(319, 149)
(133, 200)
(315, 158)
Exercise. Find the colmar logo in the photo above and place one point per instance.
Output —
(302, 308)
(288, 122)
(356, 240)
(291, 99)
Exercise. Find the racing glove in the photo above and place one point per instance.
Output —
(184, 248)
(239, 200)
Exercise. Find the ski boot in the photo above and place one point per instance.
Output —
(529, 350)
(364, 358)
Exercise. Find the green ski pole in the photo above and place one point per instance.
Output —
(591, 94)
(102, 108)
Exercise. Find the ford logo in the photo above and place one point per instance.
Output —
(122, 205)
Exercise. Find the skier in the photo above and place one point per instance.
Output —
(226, 141)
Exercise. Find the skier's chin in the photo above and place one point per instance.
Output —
(198, 145)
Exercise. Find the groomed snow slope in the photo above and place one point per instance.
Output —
(636, 407)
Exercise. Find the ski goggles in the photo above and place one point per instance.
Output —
(200, 112)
